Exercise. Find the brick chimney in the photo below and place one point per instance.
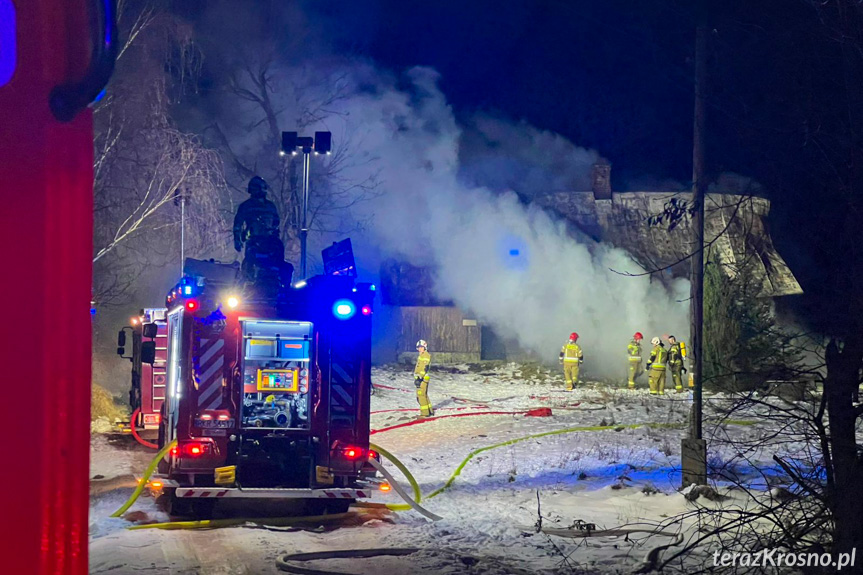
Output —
(600, 180)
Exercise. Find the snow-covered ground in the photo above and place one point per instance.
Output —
(621, 476)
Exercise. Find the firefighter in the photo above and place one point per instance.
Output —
(656, 367)
(421, 379)
(571, 357)
(676, 355)
(256, 226)
(634, 357)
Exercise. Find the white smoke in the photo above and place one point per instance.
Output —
(503, 155)
(513, 265)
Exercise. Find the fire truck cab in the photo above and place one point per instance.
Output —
(147, 351)
(267, 396)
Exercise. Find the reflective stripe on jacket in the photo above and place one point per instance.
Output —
(422, 366)
(634, 350)
(571, 352)
(658, 357)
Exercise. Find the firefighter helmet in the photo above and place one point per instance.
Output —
(573, 336)
(258, 185)
(655, 341)
(638, 335)
(422, 343)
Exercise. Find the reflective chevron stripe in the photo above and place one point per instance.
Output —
(210, 372)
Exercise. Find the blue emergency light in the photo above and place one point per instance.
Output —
(8, 41)
(344, 309)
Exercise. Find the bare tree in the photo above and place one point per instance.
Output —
(143, 162)
(259, 88)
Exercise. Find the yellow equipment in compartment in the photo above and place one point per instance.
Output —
(278, 380)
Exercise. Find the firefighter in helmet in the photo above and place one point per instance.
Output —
(633, 351)
(421, 379)
(676, 355)
(256, 226)
(571, 357)
(656, 367)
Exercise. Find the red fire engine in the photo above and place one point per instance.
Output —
(267, 395)
(149, 335)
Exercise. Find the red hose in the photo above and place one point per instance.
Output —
(438, 409)
(427, 419)
(137, 437)
(379, 386)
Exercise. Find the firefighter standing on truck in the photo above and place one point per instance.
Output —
(633, 351)
(676, 355)
(256, 226)
(656, 367)
(571, 357)
(421, 379)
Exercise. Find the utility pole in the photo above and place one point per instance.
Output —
(180, 198)
(694, 448)
(321, 143)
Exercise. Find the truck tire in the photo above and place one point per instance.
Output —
(327, 506)
(186, 508)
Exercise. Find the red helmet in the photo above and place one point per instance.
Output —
(573, 336)
(638, 335)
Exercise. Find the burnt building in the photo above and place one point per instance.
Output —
(736, 228)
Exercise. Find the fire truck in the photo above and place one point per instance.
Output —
(149, 340)
(267, 393)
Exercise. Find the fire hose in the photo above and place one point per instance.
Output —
(213, 523)
(411, 504)
(284, 562)
(137, 437)
(436, 417)
(474, 453)
(143, 481)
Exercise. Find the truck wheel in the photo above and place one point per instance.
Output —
(173, 505)
(187, 508)
(327, 506)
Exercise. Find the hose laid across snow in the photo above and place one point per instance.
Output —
(401, 467)
(283, 562)
(413, 504)
(147, 473)
(436, 417)
(232, 522)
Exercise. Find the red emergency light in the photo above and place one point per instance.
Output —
(191, 305)
(350, 452)
(190, 449)
(367, 310)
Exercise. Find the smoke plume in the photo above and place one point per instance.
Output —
(511, 264)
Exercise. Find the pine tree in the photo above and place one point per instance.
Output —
(743, 346)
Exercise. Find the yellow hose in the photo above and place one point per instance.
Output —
(474, 453)
(143, 482)
(216, 523)
(401, 467)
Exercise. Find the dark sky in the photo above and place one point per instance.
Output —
(609, 75)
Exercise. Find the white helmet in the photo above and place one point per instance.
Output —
(655, 341)
(422, 343)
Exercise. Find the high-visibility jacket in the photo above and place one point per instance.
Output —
(675, 354)
(570, 353)
(658, 357)
(422, 366)
(634, 350)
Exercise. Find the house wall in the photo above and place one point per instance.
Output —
(453, 337)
